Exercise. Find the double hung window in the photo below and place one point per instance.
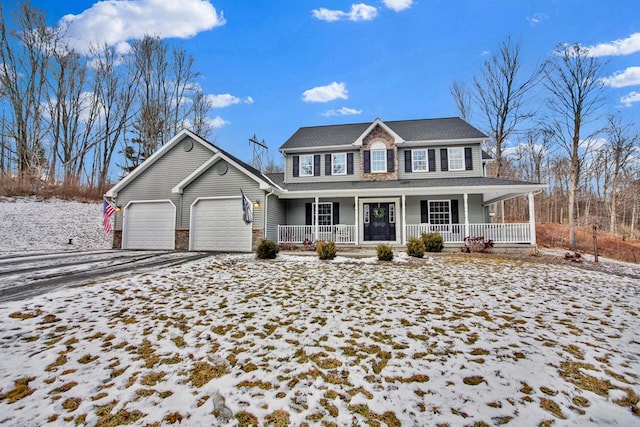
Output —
(456, 159)
(325, 213)
(440, 212)
(339, 164)
(419, 161)
(306, 165)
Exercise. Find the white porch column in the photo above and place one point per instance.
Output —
(357, 218)
(315, 214)
(532, 219)
(466, 214)
(404, 220)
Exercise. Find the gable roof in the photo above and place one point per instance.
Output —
(217, 153)
(442, 129)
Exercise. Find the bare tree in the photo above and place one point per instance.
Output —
(197, 119)
(114, 83)
(622, 144)
(181, 89)
(575, 94)
(462, 97)
(73, 111)
(24, 60)
(163, 96)
(500, 93)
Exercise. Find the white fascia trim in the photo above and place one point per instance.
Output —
(113, 192)
(446, 142)
(418, 191)
(343, 147)
(179, 188)
(396, 138)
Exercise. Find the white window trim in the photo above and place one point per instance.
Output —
(378, 147)
(333, 158)
(313, 213)
(450, 157)
(306, 156)
(448, 201)
(426, 160)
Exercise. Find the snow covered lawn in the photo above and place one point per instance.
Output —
(450, 340)
(30, 223)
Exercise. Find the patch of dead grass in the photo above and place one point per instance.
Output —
(20, 390)
(204, 372)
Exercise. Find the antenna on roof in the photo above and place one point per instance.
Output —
(259, 151)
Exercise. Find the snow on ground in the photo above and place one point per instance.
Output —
(29, 224)
(448, 340)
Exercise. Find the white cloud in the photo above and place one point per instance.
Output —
(327, 15)
(217, 122)
(398, 5)
(630, 99)
(344, 111)
(617, 47)
(628, 77)
(115, 21)
(226, 99)
(326, 93)
(537, 18)
(358, 12)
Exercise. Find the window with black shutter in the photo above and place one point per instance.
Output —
(316, 165)
(296, 165)
(444, 159)
(431, 154)
(407, 161)
(390, 161)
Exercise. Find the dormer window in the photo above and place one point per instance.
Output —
(378, 157)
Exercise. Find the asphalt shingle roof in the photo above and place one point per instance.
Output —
(450, 128)
(405, 183)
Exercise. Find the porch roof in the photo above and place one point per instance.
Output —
(492, 189)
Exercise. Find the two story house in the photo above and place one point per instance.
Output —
(390, 181)
(355, 184)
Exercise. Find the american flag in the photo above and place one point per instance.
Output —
(247, 211)
(107, 211)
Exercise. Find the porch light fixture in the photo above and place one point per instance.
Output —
(256, 204)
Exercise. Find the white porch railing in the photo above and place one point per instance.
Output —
(343, 234)
(455, 233)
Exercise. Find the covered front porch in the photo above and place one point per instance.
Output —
(369, 220)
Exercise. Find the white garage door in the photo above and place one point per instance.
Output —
(217, 225)
(149, 225)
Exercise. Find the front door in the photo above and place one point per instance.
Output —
(379, 221)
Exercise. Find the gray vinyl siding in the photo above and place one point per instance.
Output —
(476, 212)
(476, 155)
(156, 182)
(288, 168)
(212, 184)
(296, 214)
(276, 215)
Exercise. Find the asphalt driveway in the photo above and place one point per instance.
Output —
(25, 275)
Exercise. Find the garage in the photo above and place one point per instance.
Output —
(217, 225)
(149, 225)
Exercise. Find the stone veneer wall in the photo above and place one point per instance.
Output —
(182, 239)
(379, 134)
(257, 234)
(117, 239)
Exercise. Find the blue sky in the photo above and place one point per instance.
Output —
(274, 66)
